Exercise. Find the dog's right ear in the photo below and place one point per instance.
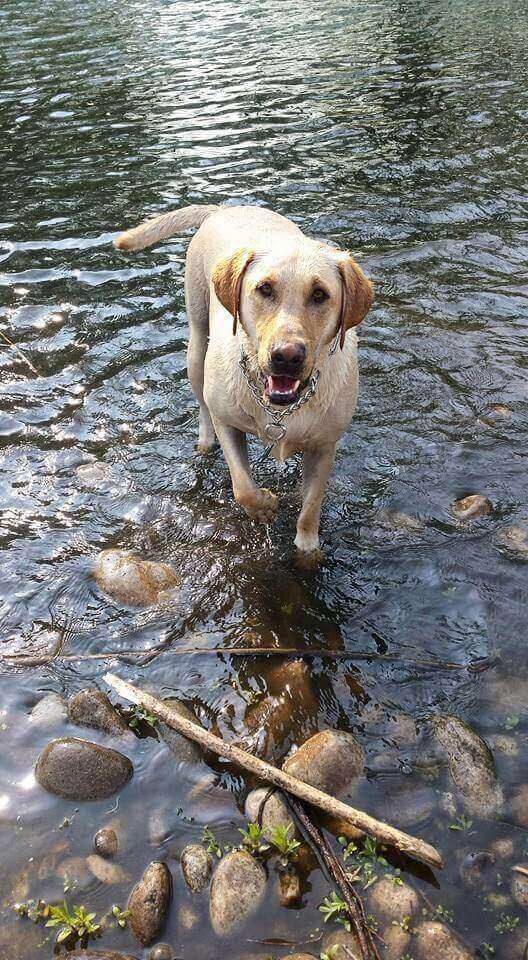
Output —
(227, 278)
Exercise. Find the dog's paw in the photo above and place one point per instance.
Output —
(203, 447)
(307, 541)
(260, 505)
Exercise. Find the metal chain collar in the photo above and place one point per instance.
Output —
(275, 430)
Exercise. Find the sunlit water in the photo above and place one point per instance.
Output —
(397, 130)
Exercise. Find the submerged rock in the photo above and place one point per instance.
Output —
(503, 848)
(389, 901)
(478, 870)
(270, 810)
(106, 872)
(331, 760)
(519, 806)
(105, 842)
(134, 581)
(188, 918)
(75, 871)
(293, 678)
(435, 941)
(409, 803)
(197, 866)
(149, 903)
(185, 750)
(472, 507)
(81, 770)
(92, 708)
(289, 888)
(471, 766)
(237, 890)
(268, 724)
(50, 711)
(396, 940)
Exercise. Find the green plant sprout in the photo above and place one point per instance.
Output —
(511, 722)
(507, 923)
(330, 953)
(333, 907)
(368, 862)
(211, 843)
(461, 823)
(253, 839)
(280, 839)
(77, 924)
(140, 715)
(120, 915)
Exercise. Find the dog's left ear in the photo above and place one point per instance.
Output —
(357, 294)
(227, 278)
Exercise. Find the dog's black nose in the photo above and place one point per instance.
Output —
(288, 357)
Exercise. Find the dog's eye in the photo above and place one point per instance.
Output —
(265, 289)
(319, 295)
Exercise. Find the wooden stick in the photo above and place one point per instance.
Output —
(338, 876)
(411, 846)
(30, 660)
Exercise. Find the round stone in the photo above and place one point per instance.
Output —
(105, 842)
(81, 770)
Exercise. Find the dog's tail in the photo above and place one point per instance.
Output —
(176, 221)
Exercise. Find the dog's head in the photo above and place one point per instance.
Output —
(291, 303)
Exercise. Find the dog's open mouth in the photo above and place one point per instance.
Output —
(281, 389)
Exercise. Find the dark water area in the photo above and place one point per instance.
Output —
(399, 131)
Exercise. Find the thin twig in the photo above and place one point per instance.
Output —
(338, 876)
(22, 355)
(476, 666)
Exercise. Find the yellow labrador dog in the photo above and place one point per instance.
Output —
(272, 349)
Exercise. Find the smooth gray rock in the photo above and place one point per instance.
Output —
(272, 811)
(471, 766)
(81, 770)
(197, 866)
(331, 760)
(149, 903)
(237, 890)
(50, 711)
(185, 750)
(92, 708)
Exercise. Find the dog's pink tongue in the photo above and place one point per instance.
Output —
(282, 384)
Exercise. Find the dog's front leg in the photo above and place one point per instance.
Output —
(260, 504)
(317, 465)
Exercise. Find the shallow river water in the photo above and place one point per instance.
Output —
(399, 131)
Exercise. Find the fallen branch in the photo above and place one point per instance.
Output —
(30, 660)
(411, 846)
(351, 897)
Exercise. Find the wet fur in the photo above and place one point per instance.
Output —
(233, 252)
